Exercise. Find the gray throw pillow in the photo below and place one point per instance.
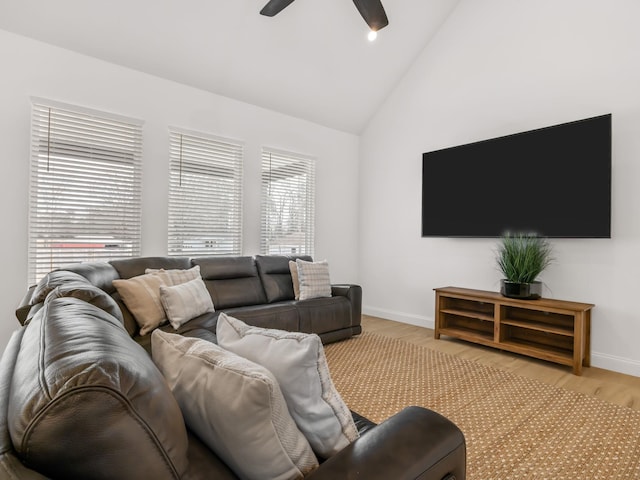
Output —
(185, 301)
(313, 278)
(298, 362)
(235, 406)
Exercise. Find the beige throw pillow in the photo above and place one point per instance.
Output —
(314, 279)
(298, 362)
(141, 295)
(185, 301)
(235, 406)
(176, 276)
(293, 268)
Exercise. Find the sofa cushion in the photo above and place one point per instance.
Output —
(87, 402)
(282, 315)
(298, 362)
(231, 281)
(313, 278)
(185, 301)
(323, 315)
(235, 407)
(276, 276)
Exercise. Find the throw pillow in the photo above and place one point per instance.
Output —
(298, 362)
(234, 406)
(293, 268)
(176, 276)
(314, 279)
(141, 295)
(185, 301)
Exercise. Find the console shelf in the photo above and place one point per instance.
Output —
(555, 330)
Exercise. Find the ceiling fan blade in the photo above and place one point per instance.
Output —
(273, 7)
(373, 13)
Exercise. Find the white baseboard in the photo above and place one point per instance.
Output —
(601, 360)
(411, 319)
(615, 364)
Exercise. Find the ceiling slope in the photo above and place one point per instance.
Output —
(312, 61)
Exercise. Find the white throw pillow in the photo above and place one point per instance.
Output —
(314, 279)
(298, 362)
(185, 301)
(235, 406)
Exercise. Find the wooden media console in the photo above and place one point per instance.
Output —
(555, 330)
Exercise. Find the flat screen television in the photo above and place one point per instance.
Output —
(553, 181)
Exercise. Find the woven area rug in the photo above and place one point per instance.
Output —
(515, 427)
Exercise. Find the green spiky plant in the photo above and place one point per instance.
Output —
(523, 256)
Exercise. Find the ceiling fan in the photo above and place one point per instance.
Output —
(371, 10)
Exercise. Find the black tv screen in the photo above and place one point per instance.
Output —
(553, 181)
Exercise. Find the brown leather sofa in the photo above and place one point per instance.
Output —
(257, 290)
(80, 398)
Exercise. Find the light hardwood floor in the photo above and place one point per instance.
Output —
(613, 387)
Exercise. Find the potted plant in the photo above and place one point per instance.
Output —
(521, 258)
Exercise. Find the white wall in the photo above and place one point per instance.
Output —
(499, 67)
(31, 68)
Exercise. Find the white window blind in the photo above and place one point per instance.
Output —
(205, 195)
(84, 202)
(288, 203)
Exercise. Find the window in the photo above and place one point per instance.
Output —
(84, 202)
(288, 200)
(205, 195)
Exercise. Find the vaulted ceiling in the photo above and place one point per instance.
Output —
(312, 61)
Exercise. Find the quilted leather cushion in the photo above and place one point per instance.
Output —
(51, 281)
(89, 294)
(231, 281)
(100, 274)
(132, 267)
(276, 276)
(87, 402)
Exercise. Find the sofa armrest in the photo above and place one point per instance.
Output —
(10, 466)
(416, 443)
(354, 295)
